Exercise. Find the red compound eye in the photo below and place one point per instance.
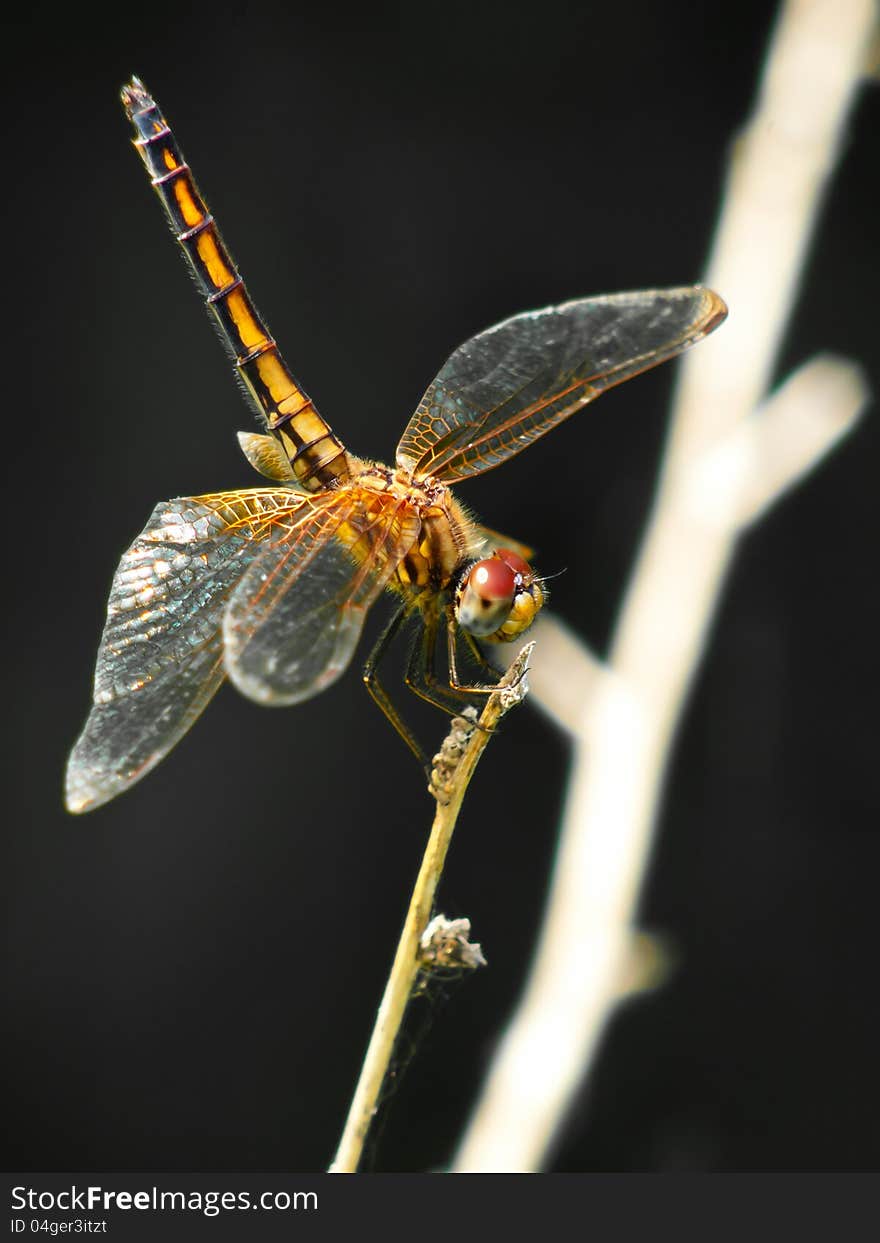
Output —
(497, 593)
(493, 579)
(515, 561)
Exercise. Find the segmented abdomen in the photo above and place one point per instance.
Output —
(317, 456)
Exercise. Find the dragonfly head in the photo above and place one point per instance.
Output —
(499, 597)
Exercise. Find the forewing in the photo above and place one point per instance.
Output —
(160, 659)
(294, 620)
(512, 383)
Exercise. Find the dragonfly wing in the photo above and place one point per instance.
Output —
(294, 620)
(512, 383)
(488, 539)
(161, 654)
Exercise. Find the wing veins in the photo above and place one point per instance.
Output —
(460, 428)
(321, 537)
(520, 416)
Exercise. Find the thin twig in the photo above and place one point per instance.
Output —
(450, 782)
(727, 460)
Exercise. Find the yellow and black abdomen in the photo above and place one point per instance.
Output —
(318, 458)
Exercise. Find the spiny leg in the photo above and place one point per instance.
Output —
(477, 653)
(452, 630)
(422, 680)
(377, 691)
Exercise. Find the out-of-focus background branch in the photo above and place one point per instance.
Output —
(726, 461)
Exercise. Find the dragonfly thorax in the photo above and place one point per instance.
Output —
(446, 539)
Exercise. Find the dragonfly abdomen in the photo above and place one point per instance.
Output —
(318, 458)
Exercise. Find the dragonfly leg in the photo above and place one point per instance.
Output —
(476, 652)
(422, 680)
(452, 630)
(484, 664)
(378, 693)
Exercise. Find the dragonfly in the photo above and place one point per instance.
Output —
(269, 586)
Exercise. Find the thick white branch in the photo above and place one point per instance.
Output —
(776, 182)
(557, 647)
(786, 437)
(727, 460)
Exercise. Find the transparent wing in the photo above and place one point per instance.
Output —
(161, 655)
(512, 383)
(294, 620)
(488, 539)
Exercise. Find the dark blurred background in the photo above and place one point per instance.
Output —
(193, 971)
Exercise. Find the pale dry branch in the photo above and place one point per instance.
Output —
(558, 647)
(771, 451)
(728, 458)
(455, 765)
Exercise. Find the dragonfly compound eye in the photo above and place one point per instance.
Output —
(499, 597)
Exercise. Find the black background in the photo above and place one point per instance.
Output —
(194, 970)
